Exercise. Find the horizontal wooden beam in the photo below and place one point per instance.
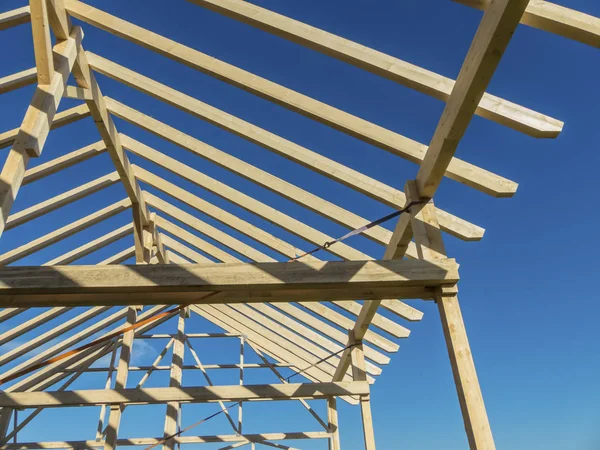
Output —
(41, 445)
(430, 83)
(61, 119)
(555, 19)
(200, 394)
(371, 133)
(15, 17)
(45, 286)
(54, 165)
(18, 80)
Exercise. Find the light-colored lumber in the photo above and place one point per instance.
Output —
(555, 19)
(329, 168)
(36, 342)
(92, 246)
(243, 169)
(184, 250)
(333, 424)
(61, 119)
(9, 313)
(492, 37)
(402, 72)
(278, 334)
(114, 418)
(78, 93)
(175, 378)
(199, 394)
(459, 170)
(243, 200)
(35, 211)
(379, 321)
(176, 258)
(42, 43)
(35, 126)
(47, 376)
(63, 232)
(259, 438)
(193, 240)
(13, 18)
(266, 340)
(31, 324)
(48, 282)
(213, 211)
(359, 374)
(123, 255)
(18, 80)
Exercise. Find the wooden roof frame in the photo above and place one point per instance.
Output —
(272, 306)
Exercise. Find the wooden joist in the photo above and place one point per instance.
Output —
(15, 17)
(61, 119)
(402, 72)
(259, 438)
(200, 394)
(55, 165)
(92, 246)
(366, 185)
(61, 200)
(555, 19)
(18, 80)
(63, 232)
(459, 170)
(118, 258)
(83, 285)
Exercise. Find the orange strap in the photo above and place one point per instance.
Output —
(108, 337)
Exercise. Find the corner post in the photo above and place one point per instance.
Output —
(359, 373)
(430, 245)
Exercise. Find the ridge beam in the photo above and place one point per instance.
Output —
(422, 80)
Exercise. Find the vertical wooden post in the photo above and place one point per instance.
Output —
(42, 44)
(114, 419)
(141, 236)
(359, 373)
(430, 245)
(241, 383)
(106, 386)
(175, 381)
(332, 419)
(5, 416)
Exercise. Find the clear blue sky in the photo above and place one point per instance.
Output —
(528, 288)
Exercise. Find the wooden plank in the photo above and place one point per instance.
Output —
(368, 186)
(180, 440)
(243, 200)
(491, 40)
(35, 126)
(217, 213)
(193, 240)
(61, 119)
(184, 250)
(555, 19)
(114, 418)
(175, 377)
(212, 277)
(199, 394)
(63, 232)
(177, 259)
(359, 374)
(459, 170)
(60, 200)
(92, 246)
(18, 80)
(123, 255)
(42, 43)
(402, 72)
(31, 324)
(15, 17)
